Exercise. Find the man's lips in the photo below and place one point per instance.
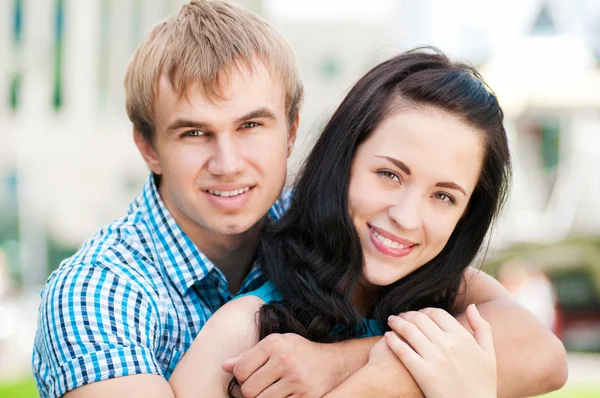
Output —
(229, 198)
(227, 191)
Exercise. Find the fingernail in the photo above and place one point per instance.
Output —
(391, 318)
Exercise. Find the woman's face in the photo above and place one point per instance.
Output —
(409, 185)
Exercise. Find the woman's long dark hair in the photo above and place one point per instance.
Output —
(313, 255)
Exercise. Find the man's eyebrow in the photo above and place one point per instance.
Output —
(397, 163)
(260, 113)
(182, 122)
(451, 185)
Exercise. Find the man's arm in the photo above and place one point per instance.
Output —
(229, 332)
(383, 376)
(530, 359)
(135, 386)
(96, 337)
(302, 367)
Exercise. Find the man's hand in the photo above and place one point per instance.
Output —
(281, 365)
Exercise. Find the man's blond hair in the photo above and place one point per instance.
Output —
(199, 47)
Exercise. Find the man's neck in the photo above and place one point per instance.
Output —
(232, 254)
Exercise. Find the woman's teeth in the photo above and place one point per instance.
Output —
(387, 241)
(228, 194)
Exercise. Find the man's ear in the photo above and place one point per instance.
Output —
(292, 135)
(148, 152)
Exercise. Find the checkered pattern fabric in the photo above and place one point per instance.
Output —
(130, 301)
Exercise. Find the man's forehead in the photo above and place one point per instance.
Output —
(196, 103)
(216, 85)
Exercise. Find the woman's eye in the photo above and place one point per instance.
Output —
(249, 125)
(444, 197)
(388, 175)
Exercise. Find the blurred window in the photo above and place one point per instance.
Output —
(576, 290)
(544, 24)
(17, 35)
(103, 59)
(57, 81)
(550, 143)
(330, 67)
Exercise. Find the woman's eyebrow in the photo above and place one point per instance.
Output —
(406, 169)
(397, 163)
(451, 185)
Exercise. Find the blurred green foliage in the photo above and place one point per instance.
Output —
(24, 388)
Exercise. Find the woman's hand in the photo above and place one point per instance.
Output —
(442, 356)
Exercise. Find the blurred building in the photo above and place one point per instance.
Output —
(548, 82)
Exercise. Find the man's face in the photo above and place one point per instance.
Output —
(222, 162)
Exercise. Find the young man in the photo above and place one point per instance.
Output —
(214, 96)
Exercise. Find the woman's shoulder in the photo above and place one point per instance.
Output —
(267, 293)
(234, 322)
(242, 307)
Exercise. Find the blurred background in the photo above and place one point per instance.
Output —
(68, 164)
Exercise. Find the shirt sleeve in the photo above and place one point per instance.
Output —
(92, 325)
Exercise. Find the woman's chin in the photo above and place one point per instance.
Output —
(379, 280)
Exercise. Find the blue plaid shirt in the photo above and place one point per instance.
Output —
(130, 301)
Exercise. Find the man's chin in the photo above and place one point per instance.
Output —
(229, 227)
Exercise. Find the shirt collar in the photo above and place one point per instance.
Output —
(184, 263)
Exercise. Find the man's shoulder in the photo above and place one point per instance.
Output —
(120, 253)
(282, 204)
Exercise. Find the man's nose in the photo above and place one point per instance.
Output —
(226, 159)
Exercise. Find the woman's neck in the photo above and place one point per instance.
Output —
(364, 297)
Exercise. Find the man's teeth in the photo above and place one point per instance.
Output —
(228, 194)
(387, 241)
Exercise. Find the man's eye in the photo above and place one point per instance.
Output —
(249, 125)
(194, 133)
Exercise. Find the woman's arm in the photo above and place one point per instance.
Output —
(231, 331)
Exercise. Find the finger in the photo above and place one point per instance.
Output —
(412, 335)
(277, 390)
(444, 320)
(403, 351)
(481, 329)
(426, 325)
(261, 380)
(230, 363)
(250, 362)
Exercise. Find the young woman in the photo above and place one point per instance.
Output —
(393, 204)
